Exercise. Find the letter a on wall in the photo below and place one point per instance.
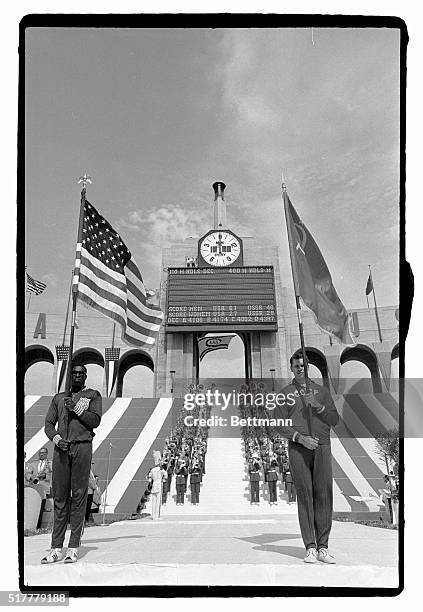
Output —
(41, 327)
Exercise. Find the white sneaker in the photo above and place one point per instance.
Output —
(311, 555)
(71, 555)
(325, 557)
(53, 556)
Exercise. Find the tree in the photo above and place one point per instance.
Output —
(387, 446)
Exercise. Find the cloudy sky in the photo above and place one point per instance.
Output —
(155, 116)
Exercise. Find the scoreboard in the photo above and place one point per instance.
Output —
(209, 299)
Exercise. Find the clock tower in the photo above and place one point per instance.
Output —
(219, 216)
(234, 287)
(219, 248)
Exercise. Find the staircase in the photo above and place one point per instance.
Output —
(137, 426)
(226, 486)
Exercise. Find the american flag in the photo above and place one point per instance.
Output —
(111, 283)
(34, 286)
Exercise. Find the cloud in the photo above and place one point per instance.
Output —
(239, 77)
(166, 224)
(51, 280)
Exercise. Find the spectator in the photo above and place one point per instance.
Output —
(42, 476)
(42, 471)
(388, 494)
(28, 472)
(95, 506)
(92, 487)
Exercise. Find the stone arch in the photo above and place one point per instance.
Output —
(127, 361)
(35, 353)
(395, 352)
(87, 355)
(364, 354)
(318, 359)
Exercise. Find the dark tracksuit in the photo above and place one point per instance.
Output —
(181, 486)
(254, 483)
(271, 473)
(71, 470)
(290, 487)
(167, 483)
(311, 470)
(195, 481)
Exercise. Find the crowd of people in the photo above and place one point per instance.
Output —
(265, 450)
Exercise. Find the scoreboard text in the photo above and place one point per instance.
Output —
(214, 297)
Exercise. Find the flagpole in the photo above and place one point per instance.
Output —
(84, 180)
(376, 312)
(297, 301)
(29, 300)
(67, 312)
(113, 335)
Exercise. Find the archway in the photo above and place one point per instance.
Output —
(87, 355)
(366, 356)
(35, 353)
(229, 365)
(319, 367)
(39, 362)
(395, 352)
(128, 360)
(93, 360)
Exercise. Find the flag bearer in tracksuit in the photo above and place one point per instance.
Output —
(310, 457)
(69, 423)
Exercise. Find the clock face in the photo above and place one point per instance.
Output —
(220, 248)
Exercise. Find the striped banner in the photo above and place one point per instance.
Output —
(111, 363)
(62, 354)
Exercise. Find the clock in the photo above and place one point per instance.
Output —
(220, 248)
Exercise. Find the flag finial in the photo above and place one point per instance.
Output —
(84, 180)
(283, 183)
